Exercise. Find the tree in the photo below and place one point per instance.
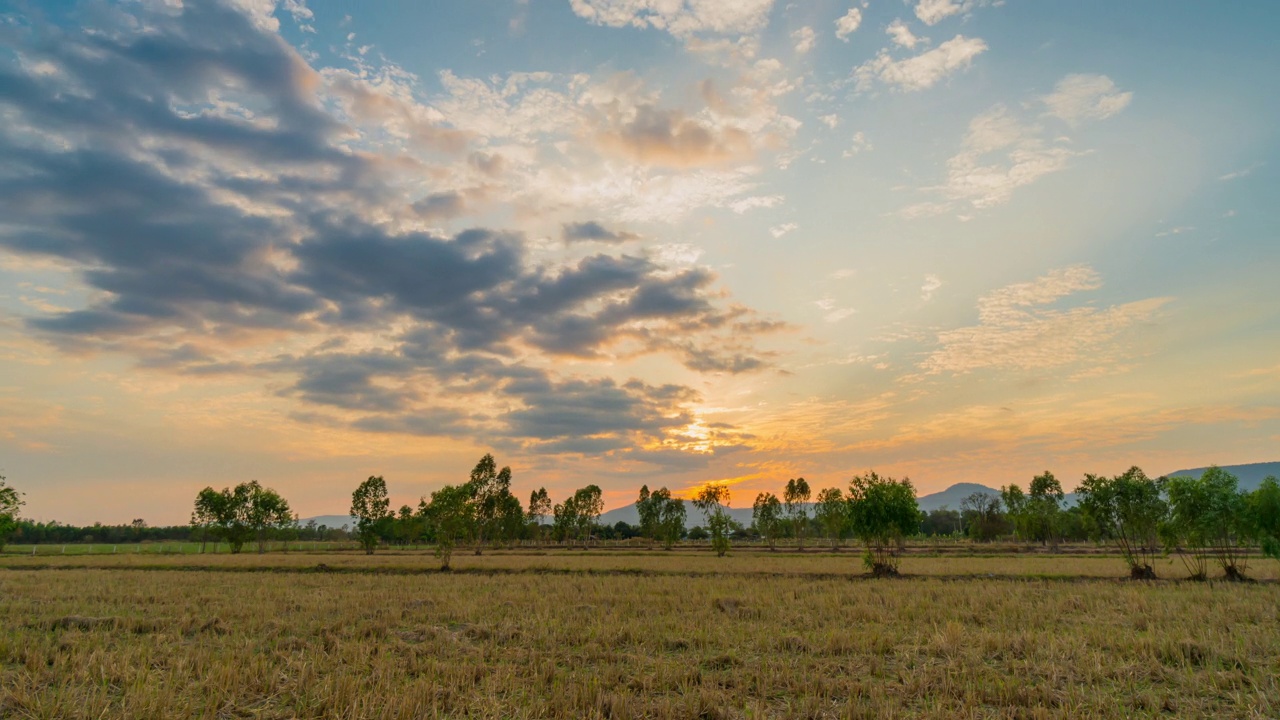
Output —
(266, 512)
(1126, 509)
(370, 506)
(11, 503)
(490, 490)
(588, 505)
(1208, 517)
(712, 500)
(766, 517)
(942, 521)
(1264, 515)
(539, 508)
(649, 507)
(450, 517)
(671, 517)
(882, 511)
(796, 498)
(982, 516)
(831, 513)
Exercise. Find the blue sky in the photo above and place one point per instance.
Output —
(629, 241)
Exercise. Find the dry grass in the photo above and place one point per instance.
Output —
(743, 643)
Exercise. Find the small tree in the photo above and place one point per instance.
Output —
(882, 511)
(10, 505)
(832, 515)
(266, 513)
(982, 516)
(1208, 518)
(1264, 515)
(539, 508)
(225, 513)
(766, 517)
(796, 499)
(1127, 510)
(588, 505)
(371, 508)
(712, 500)
(449, 516)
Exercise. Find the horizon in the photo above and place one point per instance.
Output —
(625, 243)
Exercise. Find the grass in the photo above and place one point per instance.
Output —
(617, 635)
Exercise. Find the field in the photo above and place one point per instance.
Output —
(622, 634)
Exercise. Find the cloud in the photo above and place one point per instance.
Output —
(1237, 174)
(930, 286)
(830, 121)
(591, 230)
(848, 24)
(932, 12)
(859, 144)
(1085, 97)
(779, 230)
(902, 35)
(921, 71)
(668, 138)
(681, 18)
(804, 38)
(1018, 330)
(756, 201)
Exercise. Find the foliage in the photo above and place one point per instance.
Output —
(942, 521)
(450, 515)
(1126, 509)
(1035, 514)
(832, 515)
(796, 499)
(983, 516)
(1208, 519)
(589, 502)
(539, 508)
(712, 500)
(671, 516)
(10, 505)
(1264, 515)
(370, 506)
(766, 517)
(649, 509)
(492, 502)
(237, 515)
(882, 511)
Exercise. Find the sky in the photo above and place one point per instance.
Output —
(625, 242)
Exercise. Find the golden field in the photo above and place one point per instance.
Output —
(613, 634)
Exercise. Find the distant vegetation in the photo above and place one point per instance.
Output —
(1206, 521)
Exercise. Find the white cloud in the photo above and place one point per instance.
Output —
(860, 143)
(902, 35)
(755, 201)
(848, 24)
(675, 254)
(932, 12)
(843, 274)
(1017, 330)
(681, 18)
(805, 38)
(1085, 97)
(1242, 172)
(830, 121)
(779, 230)
(931, 285)
(832, 313)
(923, 70)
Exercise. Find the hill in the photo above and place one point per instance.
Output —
(332, 521)
(952, 496)
(1250, 475)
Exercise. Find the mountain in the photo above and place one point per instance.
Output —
(331, 521)
(952, 496)
(1250, 475)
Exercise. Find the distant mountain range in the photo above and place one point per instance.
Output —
(1250, 475)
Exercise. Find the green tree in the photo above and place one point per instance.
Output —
(10, 505)
(266, 513)
(831, 514)
(565, 520)
(450, 517)
(223, 512)
(539, 508)
(983, 517)
(712, 500)
(588, 504)
(1127, 510)
(370, 506)
(796, 499)
(1035, 514)
(766, 517)
(671, 517)
(882, 511)
(649, 508)
(490, 490)
(1208, 518)
(1264, 515)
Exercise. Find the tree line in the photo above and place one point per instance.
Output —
(1207, 521)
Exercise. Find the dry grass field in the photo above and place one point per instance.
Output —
(618, 635)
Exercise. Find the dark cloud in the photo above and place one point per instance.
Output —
(194, 170)
(594, 231)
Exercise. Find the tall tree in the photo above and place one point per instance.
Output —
(450, 517)
(1044, 499)
(589, 504)
(1264, 515)
(766, 516)
(564, 523)
(10, 505)
(671, 517)
(1208, 518)
(712, 500)
(1127, 510)
(490, 488)
(371, 508)
(832, 515)
(539, 509)
(882, 512)
(648, 507)
(266, 513)
(796, 499)
(982, 516)
(224, 512)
